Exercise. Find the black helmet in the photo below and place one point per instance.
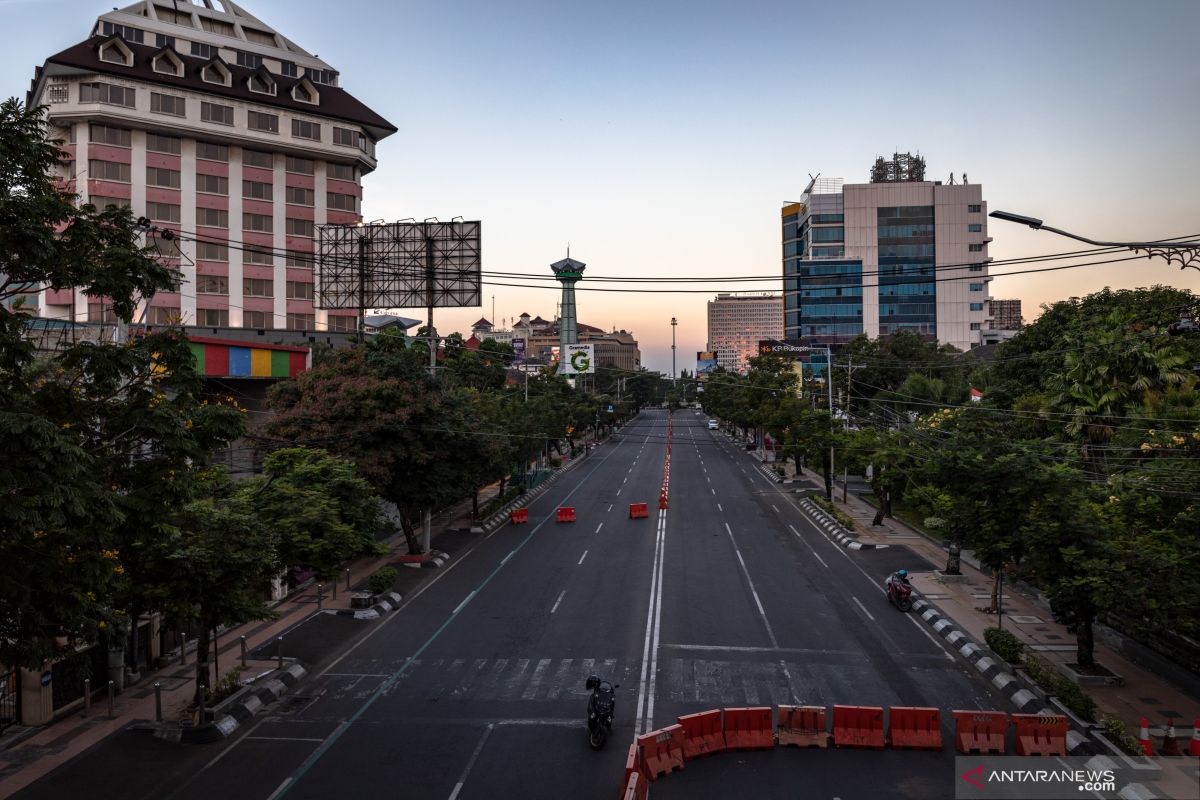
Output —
(593, 681)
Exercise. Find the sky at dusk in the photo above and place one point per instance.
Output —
(661, 138)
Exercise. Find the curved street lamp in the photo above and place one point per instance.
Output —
(1186, 253)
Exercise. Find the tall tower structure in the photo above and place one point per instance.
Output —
(568, 272)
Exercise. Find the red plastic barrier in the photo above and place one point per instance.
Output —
(636, 787)
(566, 514)
(638, 511)
(519, 515)
(1041, 734)
(703, 734)
(633, 763)
(980, 731)
(914, 728)
(662, 751)
(802, 726)
(858, 726)
(662, 500)
(749, 728)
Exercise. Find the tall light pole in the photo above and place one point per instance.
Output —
(674, 322)
(1186, 253)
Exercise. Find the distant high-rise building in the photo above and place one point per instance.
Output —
(222, 131)
(738, 321)
(1006, 315)
(898, 254)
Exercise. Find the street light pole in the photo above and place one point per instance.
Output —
(1186, 253)
(674, 322)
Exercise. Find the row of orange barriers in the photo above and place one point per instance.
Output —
(665, 750)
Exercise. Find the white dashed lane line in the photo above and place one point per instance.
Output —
(598, 527)
(582, 557)
(560, 597)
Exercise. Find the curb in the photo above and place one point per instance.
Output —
(771, 475)
(390, 602)
(431, 560)
(1007, 683)
(835, 529)
(274, 686)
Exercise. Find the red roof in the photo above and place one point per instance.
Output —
(472, 343)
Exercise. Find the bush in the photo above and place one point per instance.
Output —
(1004, 644)
(1116, 732)
(382, 580)
(832, 510)
(555, 463)
(1059, 685)
(225, 686)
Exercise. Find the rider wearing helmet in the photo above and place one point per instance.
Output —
(902, 575)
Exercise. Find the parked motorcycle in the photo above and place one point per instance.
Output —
(899, 592)
(601, 707)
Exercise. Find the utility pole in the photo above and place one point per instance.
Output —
(846, 427)
(829, 387)
(674, 322)
(427, 521)
(362, 287)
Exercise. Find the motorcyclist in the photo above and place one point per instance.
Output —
(900, 576)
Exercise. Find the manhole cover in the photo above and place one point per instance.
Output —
(1025, 620)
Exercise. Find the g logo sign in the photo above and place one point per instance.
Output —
(580, 361)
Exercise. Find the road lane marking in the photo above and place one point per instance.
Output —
(281, 739)
(466, 600)
(762, 613)
(714, 491)
(598, 527)
(507, 557)
(471, 762)
(554, 607)
(610, 505)
(719, 508)
(776, 509)
(582, 557)
(864, 608)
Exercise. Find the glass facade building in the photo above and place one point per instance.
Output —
(907, 291)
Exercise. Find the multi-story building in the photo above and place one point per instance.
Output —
(617, 348)
(897, 254)
(737, 321)
(1006, 315)
(230, 139)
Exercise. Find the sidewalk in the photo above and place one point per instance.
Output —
(27, 754)
(1144, 693)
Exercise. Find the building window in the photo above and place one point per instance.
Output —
(217, 26)
(288, 69)
(253, 255)
(325, 76)
(164, 315)
(260, 84)
(101, 312)
(108, 203)
(212, 251)
(109, 171)
(263, 320)
(299, 227)
(974, 208)
(303, 129)
(212, 318)
(212, 112)
(212, 184)
(126, 32)
(344, 324)
(173, 15)
(976, 287)
(298, 196)
(301, 166)
(106, 134)
(116, 52)
(212, 152)
(341, 202)
(256, 287)
(976, 268)
(249, 60)
(259, 37)
(164, 178)
(163, 212)
(300, 260)
(303, 92)
(212, 284)
(975, 248)
(261, 223)
(107, 93)
(257, 158)
(167, 64)
(212, 218)
(301, 322)
(977, 306)
(257, 191)
(258, 121)
(215, 73)
(162, 40)
(58, 93)
(975, 326)
(347, 137)
(299, 290)
(168, 104)
(975, 227)
(157, 143)
(204, 50)
(343, 172)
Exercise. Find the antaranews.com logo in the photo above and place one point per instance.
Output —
(1068, 778)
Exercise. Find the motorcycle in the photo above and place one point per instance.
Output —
(899, 593)
(601, 707)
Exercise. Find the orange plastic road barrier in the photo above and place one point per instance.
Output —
(914, 728)
(749, 728)
(566, 514)
(858, 726)
(519, 515)
(1194, 747)
(633, 763)
(703, 734)
(636, 787)
(1041, 734)
(662, 751)
(802, 726)
(638, 511)
(662, 500)
(980, 731)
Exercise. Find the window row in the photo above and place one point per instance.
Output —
(253, 287)
(215, 251)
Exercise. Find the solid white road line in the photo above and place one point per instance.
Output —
(582, 557)
(554, 607)
(757, 602)
(471, 762)
(466, 600)
(809, 546)
(864, 608)
(649, 655)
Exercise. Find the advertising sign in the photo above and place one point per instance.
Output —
(579, 359)
(706, 362)
(518, 346)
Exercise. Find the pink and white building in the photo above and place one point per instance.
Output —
(223, 133)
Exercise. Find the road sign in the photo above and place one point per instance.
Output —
(579, 359)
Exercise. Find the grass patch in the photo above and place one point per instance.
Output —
(909, 516)
(1004, 644)
(1054, 682)
(832, 510)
